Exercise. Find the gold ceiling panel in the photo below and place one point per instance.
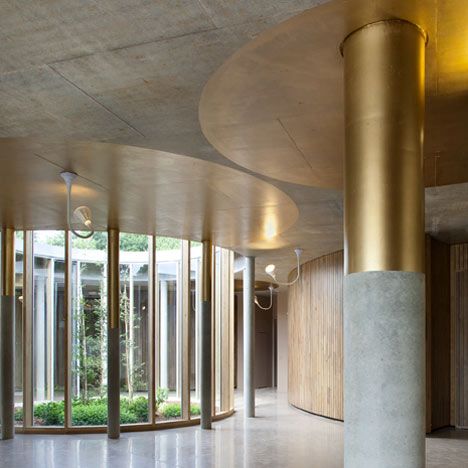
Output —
(142, 191)
(276, 106)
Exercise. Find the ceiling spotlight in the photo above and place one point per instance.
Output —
(82, 213)
(270, 269)
(257, 303)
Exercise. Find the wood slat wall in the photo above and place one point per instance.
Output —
(315, 328)
(437, 334)
(459, 332)
(315, 335)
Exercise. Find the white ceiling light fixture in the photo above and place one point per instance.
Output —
(271, 269)
(257, 303)
(82, 213)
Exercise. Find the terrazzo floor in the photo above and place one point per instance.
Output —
(280, 436)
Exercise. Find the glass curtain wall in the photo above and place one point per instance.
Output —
(19, 247)
(195, 310)
(135, 332)
(61, 339)
(169, 356)
(48, 319)
(88, 331)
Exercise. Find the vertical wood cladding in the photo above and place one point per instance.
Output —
(315, 334)
(437, 334)
(315, 328)
(459, 329)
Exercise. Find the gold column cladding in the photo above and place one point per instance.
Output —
(8, 262)
(113, 249)
(206, 270)
(384, 120)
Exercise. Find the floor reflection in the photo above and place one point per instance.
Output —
(280, 436)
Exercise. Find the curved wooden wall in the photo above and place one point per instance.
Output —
(315, 336)
(315, 342)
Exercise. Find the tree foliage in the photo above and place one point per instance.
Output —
(128, 242)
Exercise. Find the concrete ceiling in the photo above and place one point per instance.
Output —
(132, 72)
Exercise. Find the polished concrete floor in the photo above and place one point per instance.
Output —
(280, 436)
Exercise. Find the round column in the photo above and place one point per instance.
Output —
(206, 339)
(113, 336)
(384, 328)
(7, 335)
(249, 337)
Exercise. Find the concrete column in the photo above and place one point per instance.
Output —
(384, 333)
(163, 337)
(40, 354)
(206, 338)
(50, 327)
(249, 337)
(7, 335)
(113, 337)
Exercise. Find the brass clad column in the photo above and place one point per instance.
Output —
(7, 336)
(113, 338)
(206, 338)
(384, 240)
(249, 337)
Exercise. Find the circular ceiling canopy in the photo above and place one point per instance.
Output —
(276, 106)
(141, 191)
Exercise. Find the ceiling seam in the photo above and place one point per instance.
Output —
(64, 169)
(294, 143)
(95, 100)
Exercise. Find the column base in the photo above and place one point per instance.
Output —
(384, 369)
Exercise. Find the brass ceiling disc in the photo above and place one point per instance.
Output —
(140, 191)
(276, 106)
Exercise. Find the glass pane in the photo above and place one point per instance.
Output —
(89, 330)
(134, 323)
(48, 328)
(19, 328)
(195, 300)
(168, 391)
(218, 289)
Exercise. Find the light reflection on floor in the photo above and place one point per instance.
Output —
(280, 436)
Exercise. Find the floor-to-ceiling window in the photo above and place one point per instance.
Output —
(88, 330)
(48, 328)
(19, 257)
(169, 352)
(61, 339)
(135, 327)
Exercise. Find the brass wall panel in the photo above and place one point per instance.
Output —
(277, 105)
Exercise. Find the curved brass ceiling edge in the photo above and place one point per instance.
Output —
(344, 17)
(20, 152)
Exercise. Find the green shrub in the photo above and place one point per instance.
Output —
(161, 396)
(51, 413)
(139, 407)
(89, 414)
(127, 417)
(195, 409)
(171, 410)
(18, 414)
